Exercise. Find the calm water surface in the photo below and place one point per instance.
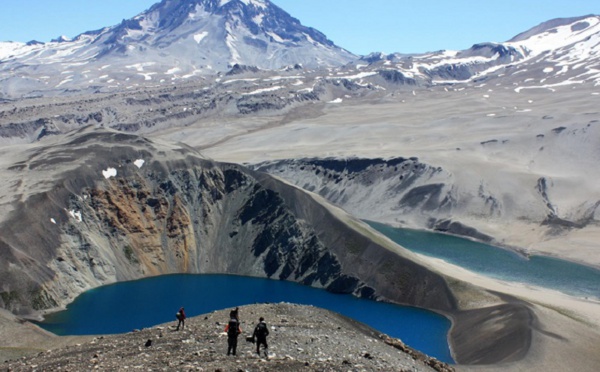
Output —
(547, 272)
(125, 306)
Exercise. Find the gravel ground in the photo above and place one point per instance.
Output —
(302, 338)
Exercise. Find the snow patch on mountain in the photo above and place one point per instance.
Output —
(199, 37)
(264, 90)
(109, 172)
(558, 37)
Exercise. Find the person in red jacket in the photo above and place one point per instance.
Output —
(181, 318)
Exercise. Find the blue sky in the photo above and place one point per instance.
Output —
(360, 26)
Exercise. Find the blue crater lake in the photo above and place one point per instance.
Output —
(124, 306)
(565, 276)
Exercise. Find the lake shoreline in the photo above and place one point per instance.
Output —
(556, 322)
(497, 262)
(535, 349)
(421, 328)
(520, 251)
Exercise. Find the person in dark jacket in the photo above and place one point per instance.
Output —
(233, 330)
(181, 318)
(261, 331)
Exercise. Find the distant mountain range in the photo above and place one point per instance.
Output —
(181, 41)
(560, 51)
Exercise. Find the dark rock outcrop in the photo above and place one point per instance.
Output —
(412, 188)
(240, 69)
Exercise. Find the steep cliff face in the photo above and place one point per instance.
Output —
(98, 207)
(399, 189)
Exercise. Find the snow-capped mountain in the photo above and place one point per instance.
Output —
(172, 41)
(560, 51)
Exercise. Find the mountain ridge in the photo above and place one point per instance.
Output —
(177, 42)
(172, 41)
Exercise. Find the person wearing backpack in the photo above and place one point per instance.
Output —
(261, 331)
(233, 330)
(181, 318)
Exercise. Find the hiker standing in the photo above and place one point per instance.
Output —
(181, 318)
(261, 331)
(233, 330)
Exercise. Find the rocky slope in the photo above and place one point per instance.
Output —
(302, 338)
(410, 193)
(408, 190)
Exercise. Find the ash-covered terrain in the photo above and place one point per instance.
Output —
(168, 144)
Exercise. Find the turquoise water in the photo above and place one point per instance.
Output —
(547, 272)
(125, 306)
